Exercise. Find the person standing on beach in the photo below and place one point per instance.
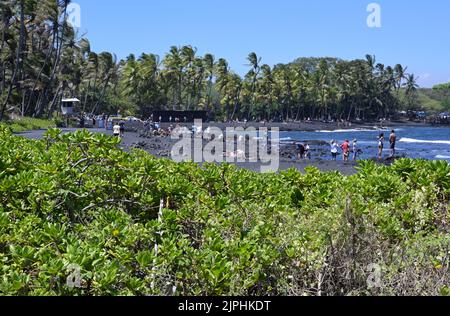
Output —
(122, 129)
(307, 151)
(355, 149)
(300, 151)
(380, 146)
(346, 150)
(334, 150)
(116, 130)
(393, 142)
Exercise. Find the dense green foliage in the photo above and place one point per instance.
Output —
(442, 87)
(42, 60)
(78, 199)
(441, 93)
(29, 124)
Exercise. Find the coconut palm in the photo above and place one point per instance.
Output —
(208, 64)
(252, 78)
(42, 60)
(173, 73)
(411, 90)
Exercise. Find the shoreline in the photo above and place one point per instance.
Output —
(160, 147)
(307, 126)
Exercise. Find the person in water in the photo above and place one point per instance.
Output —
(380, 146)
(346, 150)
(393, 142)
(334, 150)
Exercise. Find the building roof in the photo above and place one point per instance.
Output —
(70, 100)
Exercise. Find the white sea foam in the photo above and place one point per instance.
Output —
(351, 130)
(281, 140)
(442, 157)
(419, 141)
(367, 142)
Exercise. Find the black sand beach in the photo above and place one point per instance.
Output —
(160, 147)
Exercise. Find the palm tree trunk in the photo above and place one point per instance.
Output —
(18, 59)
(22, 108)
(2, 87)
(86, 95)
(180, 90)
(3, 69)
(298, 112)
(47, 57)
(39, 100)
(102, 95)
(59, 45)
(54, 102)
(208, 107)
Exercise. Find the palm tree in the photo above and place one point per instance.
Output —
(108, 66)
(59, 34)
(91, 72)
(371, 62)
(173, 72)
(323, 88)
(19, 58)
(400, 74)
(265, 91)
(208, 62)
(141, 81)
(187, 55)
(6, 15)
(232, 93)
(252, 75)
(42, 60)
(411, 90)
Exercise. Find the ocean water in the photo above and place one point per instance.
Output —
(431, 143)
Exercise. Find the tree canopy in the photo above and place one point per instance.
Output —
(42, 60)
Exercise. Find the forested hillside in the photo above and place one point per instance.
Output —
(436, 99)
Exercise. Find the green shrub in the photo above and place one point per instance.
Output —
(27, 124)
(76, 199)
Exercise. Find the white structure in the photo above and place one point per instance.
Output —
(67, 106)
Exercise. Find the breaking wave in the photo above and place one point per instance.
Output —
(351, 130)
(419, 141)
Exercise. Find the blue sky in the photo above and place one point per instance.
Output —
(413, 33)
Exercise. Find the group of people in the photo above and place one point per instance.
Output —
(303, 151)
(159, 119)
(348, 149)
(119, 129)
(392, 142)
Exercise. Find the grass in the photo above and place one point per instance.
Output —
(28, 124)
